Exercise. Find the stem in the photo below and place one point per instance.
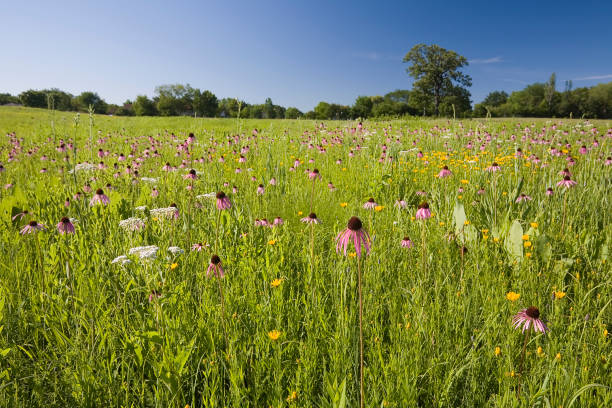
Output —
(494, 203)
(423, 266)
(564, 204)
(217, 229)
(40, 261)
(518, 392)
(312, 277)
(222, 309)
(312, 193)
(360, 334)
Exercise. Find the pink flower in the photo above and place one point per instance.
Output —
(260, 189)
(154, 193)
(331, 186)
(191, 175)
(370, 204)
(223, 201)
(311, 219)
(529, 317)
(493, 168)
(32, 227)
(566, 182)
(354, 233)
(565, 172)
(278, 221)
(65, 226)
(313, 175)
(99, 197)
(272, 181)
(406, 243)
(401, 203)
(198, 247)
(549, 191)
(423, 211)
(215, 267)
(523, 197)
(445, 172)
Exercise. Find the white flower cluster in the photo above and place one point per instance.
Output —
(83, 167)
(208, 195)
(141, 208)
(132, 224)
(124, 260)
(168, 212)
(144, 252)
(149, 179)
(175, 250)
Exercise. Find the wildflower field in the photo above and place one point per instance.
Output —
(166, 262)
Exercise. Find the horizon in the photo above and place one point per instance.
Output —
(283, 51)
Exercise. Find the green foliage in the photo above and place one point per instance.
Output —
(293, 113)
(78, 330)
(143, 106)
(437, 74)
(6, 98)
(86, 99)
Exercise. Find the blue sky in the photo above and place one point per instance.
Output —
(296, 52)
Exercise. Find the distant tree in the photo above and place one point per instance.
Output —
(322, 111)
(549, 92)
(229, 107)
(6, 98)
(85, 99)
(205, 104)
(310, 115)
(143, 106)
(495, 98)
(33, 98)
(456, 102)
(362, 108)
(436, 72)
(529, 101)
(599, 101)
(59, 100)
(174, 99)
(293, 113)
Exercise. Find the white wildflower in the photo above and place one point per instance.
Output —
(124, 260)
(175, 250)
(167, 212)
(132, 224)
(144, 252)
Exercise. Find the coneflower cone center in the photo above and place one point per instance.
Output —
(99, 191)
(533, 312)
(220, 195)
(424, 205)
(566, 178)
(354, 224)
(312, 216)
(215, 260)
(65, 220)
(33, 223)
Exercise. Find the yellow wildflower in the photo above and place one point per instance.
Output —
(379, 208)
(276, 282)
(497, 351)
(274, 335)
(558, 356)
(300, 213)
(527, 244)
(559, 295)
(534, 225)
(272, 242)
(464, 181)
(343, 205)
(173, 266)
(525, 237)
(512, 296)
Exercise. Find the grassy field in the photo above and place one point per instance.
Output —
(80, 325)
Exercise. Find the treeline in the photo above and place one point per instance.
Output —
(543, 100)
(536, 100)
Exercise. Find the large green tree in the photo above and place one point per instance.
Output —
(437, 73)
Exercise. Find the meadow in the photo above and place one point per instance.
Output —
(111, 294)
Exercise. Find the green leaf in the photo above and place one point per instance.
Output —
(514, 241)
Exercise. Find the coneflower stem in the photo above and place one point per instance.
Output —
(423, 266)
(217, 230)
(518, 392)
(312, 193)
(222, 310)
(360, 333)
(40, 262)
(564, 204)
(312, 277)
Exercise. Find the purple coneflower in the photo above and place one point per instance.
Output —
(331, 186)
(198, 247)
(549, 191)
(423, 211)
(155, 294)
(65, 226)
(565, 172)
(354, 233)
(99, 197)
(215, 267)
(154, 193)
(370, 204)
(278, 221)
(22, 214)
(314, 174)
(523, 197)
(401, 203)
(529, 317)
(32, 227)
(272, 181)
(608, 161)
(311, 219)
(445, 172)
(191, 175)
(406, 243)
(421, 193)
(260, 189)
(494, 167)
(223, 201)
(567, 182)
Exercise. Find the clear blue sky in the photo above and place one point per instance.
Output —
(296, 52)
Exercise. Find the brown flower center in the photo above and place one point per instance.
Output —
(533, 312)
(215, 260)
(354, 224)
